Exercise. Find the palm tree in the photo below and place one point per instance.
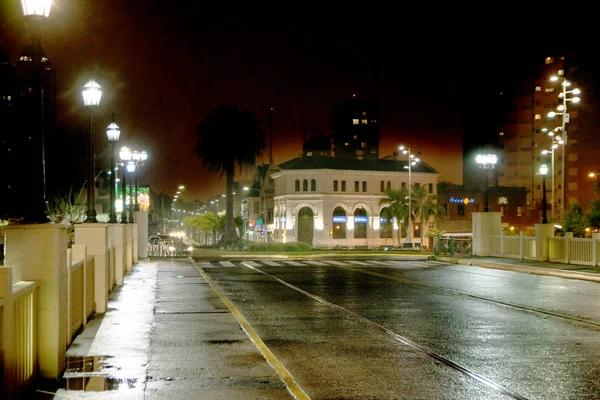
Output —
(397, 205)
(228, 137)
(424, 206)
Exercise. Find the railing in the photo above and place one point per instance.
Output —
(567, 249)
(453, 247)
(18, 333)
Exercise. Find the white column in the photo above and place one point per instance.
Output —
(142, 222)
(134, 243)
(485, 224)
(117, 234)
(95, 237)
(128, 229)
(543, 233)
(38, 252)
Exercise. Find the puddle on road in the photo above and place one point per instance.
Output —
(93, 374)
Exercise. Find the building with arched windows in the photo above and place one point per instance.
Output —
(336, 201)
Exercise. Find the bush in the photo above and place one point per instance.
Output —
(237, 244)
(278, 247)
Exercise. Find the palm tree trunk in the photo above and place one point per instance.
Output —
(229, 223)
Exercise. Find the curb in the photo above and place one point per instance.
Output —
(561, 273)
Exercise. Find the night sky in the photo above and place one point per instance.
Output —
(163, 69)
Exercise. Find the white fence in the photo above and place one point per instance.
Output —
(567, 250)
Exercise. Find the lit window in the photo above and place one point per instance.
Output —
(549, 90)
(364, 121)
(364, 113)
(363, 145)
(355, 121)
(346, 144)
(538, 88)
(519, 211)
(538, 116)
(549, 60)
(501, 133)
(355, 137)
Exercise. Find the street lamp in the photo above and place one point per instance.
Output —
(125, 156)
(138, 158)
(487, 162)
(34, 61)
(412, 160)
(130, 170)
(112, 132)
(544, 172)
(565, 119)
(91, 99)
(556, 141)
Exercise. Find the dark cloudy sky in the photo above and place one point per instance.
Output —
(164, 68)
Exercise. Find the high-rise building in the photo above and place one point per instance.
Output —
(355, 129)
(530, 135)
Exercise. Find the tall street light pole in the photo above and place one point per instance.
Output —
(487, 162)
(125, 156)
(130, 170)
(91, 98)
(36, 13)
(112, 132)
(565, 119)
(544, 172)
(412, 160)
(556, 141)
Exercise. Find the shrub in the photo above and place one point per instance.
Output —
(278, 247)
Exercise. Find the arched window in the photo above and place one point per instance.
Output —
(339, 223)
(360, 223)
(382, 187)
(313, 185)
(305, 185)
(297, 185)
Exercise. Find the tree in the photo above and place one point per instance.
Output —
(229, 137)
(397, 205)
(593, 215)
(575, 220)
(424, 206)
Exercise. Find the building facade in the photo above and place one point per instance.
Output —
(566, 141)
(336, 202)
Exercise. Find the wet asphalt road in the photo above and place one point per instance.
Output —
(390, 329)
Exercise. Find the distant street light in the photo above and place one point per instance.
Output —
(112, 132)
(556, 141)
(544, 172)
(412, 160)
(139, 159)
(565, 119)
(91, 98)
(125, 156)
(130, 170)
(487, 162)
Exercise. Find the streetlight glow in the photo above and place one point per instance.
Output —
(92, 94)
(36, 8)
(544, 172)
(112, 133)
(412, 160)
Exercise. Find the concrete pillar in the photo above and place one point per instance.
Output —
(543, 233)
(128, 229)
(38, 252)
(135, 237)
(568, 237)
(116, 232)
(95, 237)
(485, 224)
(142, 220)
(595, 238)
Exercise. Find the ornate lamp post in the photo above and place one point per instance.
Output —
(125, 156)
(112, 132)
(91, 99)
(544, 172)
(487, 162)
(138, 158)
(130, 170)
(412, 160)
(34, 60)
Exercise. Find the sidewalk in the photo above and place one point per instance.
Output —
(168, 334)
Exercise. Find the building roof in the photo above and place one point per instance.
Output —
(323, 162)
